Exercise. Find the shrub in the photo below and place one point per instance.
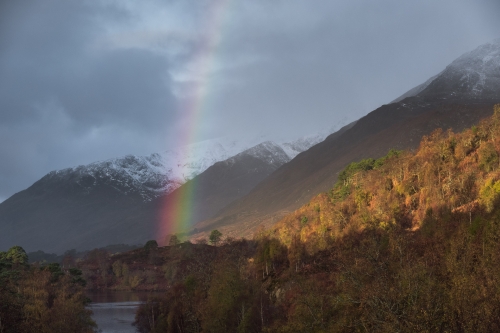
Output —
(304, 220)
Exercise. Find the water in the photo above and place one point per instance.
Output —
(114, 311)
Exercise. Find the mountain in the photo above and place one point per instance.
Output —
(150, 176)
(122, 200)
(161, 173)
(127, 200)
(457, 98)
(473, 76)
(221, 184)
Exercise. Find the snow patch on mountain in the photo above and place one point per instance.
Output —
(269, 152)
(293, 148)
(480, 68)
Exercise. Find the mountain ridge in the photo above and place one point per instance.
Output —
(161, 173)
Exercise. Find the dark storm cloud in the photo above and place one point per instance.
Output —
(50, 61)
(128, 86)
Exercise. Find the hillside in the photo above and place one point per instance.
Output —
(450, 176)
(457, 98)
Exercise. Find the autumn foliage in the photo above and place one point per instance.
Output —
(451, 176)
(406, 243)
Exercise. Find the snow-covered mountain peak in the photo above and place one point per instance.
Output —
(473, 75)
(483, 61)
(484, 53)
(161, 173)
(186, 162)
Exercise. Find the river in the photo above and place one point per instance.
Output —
(114, 311)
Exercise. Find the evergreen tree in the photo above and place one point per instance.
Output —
(215, 237)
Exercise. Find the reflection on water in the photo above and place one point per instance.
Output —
(114, 311)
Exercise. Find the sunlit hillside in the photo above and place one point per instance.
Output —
(451, 176)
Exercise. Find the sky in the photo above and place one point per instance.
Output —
(83, 81)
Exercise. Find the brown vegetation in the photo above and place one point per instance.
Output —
(449, 173)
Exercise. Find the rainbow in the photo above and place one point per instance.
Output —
(176, 212)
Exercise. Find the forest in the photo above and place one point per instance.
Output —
(404, 243)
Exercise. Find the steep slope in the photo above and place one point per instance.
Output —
(121, 200)
(457, 98)
(449, 177)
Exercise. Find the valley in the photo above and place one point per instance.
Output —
(391, 223)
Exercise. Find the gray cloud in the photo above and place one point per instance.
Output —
(88, 80)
